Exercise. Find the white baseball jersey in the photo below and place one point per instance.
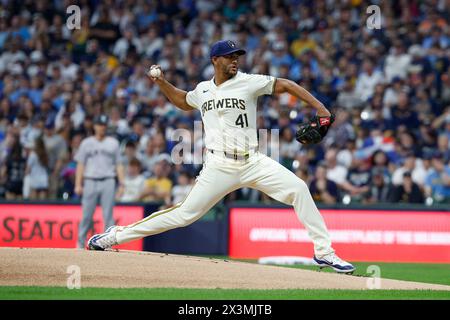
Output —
(229, 110)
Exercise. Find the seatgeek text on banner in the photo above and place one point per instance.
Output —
(56, 226)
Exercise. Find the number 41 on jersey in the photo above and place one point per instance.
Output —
(242, 120)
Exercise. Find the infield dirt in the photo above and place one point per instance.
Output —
(130, 269)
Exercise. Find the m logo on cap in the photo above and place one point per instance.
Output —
(225, 47)
(101, 119)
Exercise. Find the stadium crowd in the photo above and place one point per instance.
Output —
(389, 87)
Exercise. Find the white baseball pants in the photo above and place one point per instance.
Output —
(221, 176)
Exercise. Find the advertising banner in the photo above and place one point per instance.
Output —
(357, 235)
(56, 226)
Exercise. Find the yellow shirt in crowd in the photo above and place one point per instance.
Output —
(162, 185)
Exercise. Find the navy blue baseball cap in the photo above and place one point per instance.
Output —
(101, 119)
(224, 47)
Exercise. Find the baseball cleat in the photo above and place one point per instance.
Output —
(103, 241)
(333, 261)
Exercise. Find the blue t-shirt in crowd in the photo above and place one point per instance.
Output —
(435, 182)
(36, 96)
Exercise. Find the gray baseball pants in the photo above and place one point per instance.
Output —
(93, 192)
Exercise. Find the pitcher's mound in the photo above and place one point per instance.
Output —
(128, 269)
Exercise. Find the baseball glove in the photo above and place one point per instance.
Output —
(314, 131)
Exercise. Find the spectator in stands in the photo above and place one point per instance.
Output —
(436, 37)
(303, 43)
(139, 135)
(128, 42)
(233, 9)
(104, 31)
(280, 57)
(380, 161)
(408, 142)
(443, 146)
(13, 171)
(152, 42)
(24, 127)
(154, 150)
(56, 148)
(335, 172)
(367, 80)
(345, 155)
(304, 174)
(341, 131)
(134, 182)
(182, 187)
(445, 93)
(414, 166)
(68, 69)
(146, 16)
(392, 92)
(357, 182)
(321, 188)
(129, 153)
(158, 187)
(442, 122)
(406, 192)
(5, 29)
(37, 169)
(397, 61)
(7, 112)
(69, 168)
(12, 55)
(380, 187)
(427, 141)
(348, 97)
(118, 124)
(288, 146)
(402, 113)
(437, 182)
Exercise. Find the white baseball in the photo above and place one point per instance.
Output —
(155, 72)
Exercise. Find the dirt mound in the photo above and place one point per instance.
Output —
(126, 269)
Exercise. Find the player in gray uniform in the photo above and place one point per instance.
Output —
(97, 166)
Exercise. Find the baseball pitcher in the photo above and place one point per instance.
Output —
(227, 104)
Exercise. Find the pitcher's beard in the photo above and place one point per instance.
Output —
(231, 71)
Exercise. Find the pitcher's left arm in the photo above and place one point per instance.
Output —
(285, 85)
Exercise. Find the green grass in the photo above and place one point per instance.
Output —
(429, 273)
(52, 293)
(419, 272)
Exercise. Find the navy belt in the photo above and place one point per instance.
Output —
(99, 179)
(234, 156)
